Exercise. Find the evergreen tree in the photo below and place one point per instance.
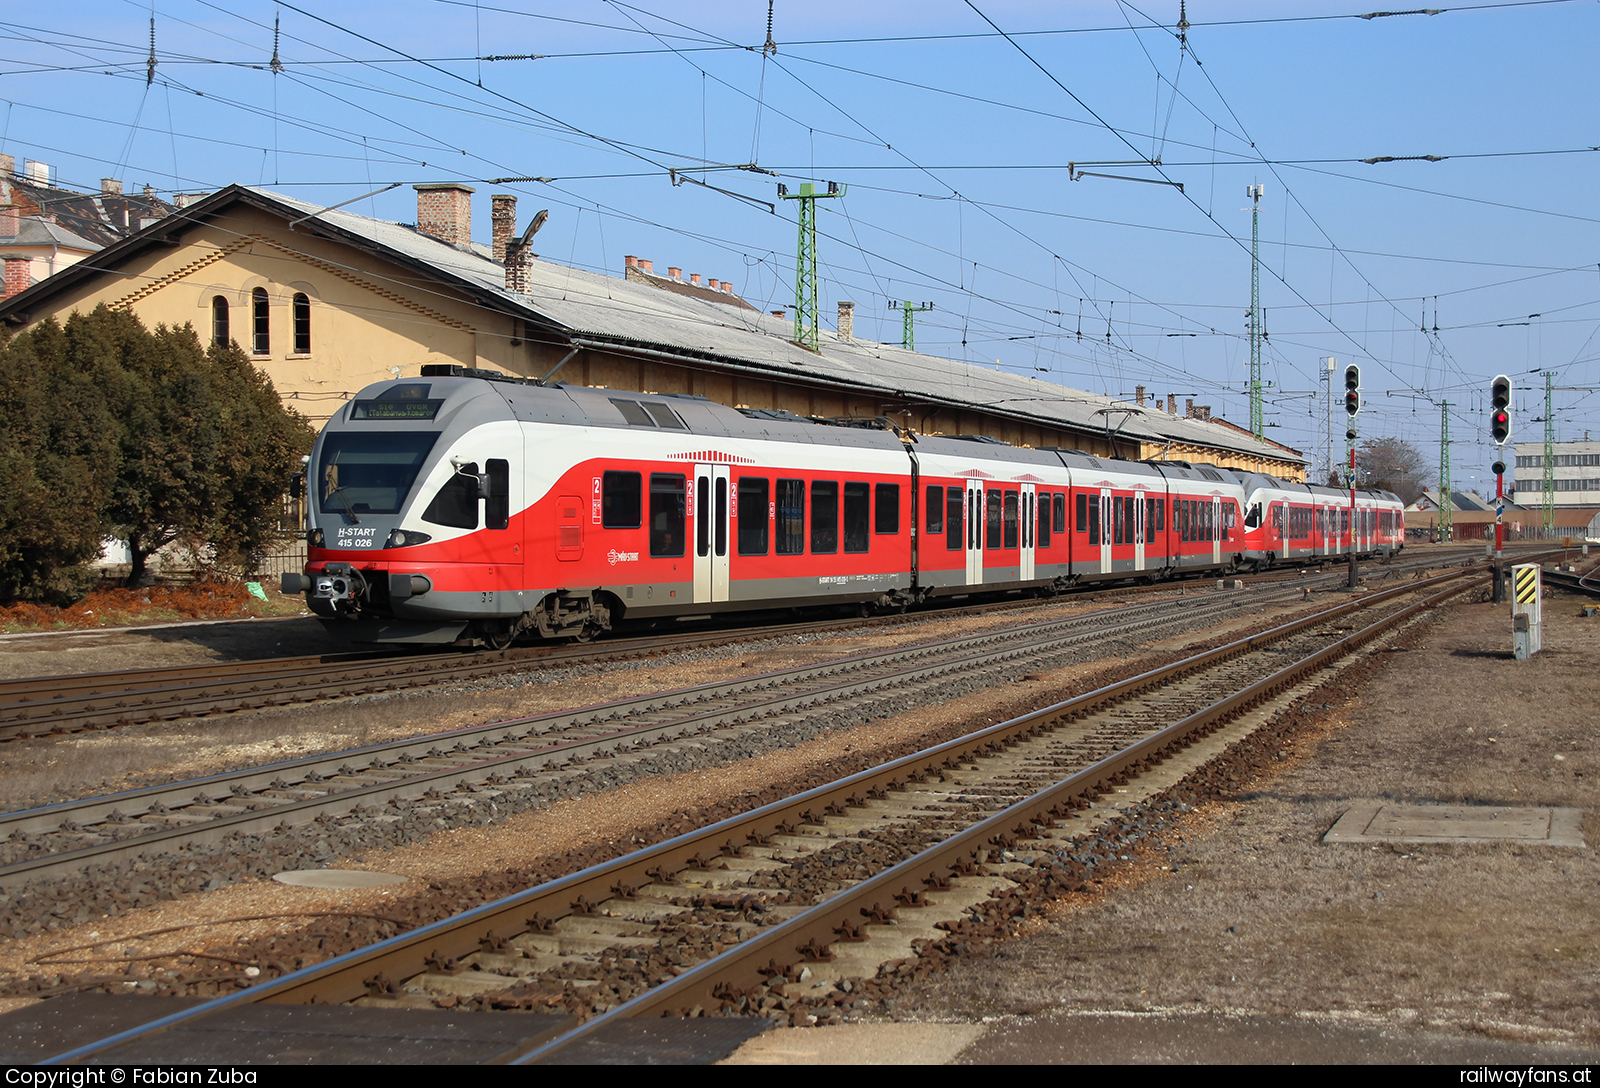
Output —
(58, 458)
(108, 428)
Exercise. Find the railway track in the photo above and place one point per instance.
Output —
(44, 706)
(503, 759)
(788, 910)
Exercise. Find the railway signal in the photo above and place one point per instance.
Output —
(1352, 398)
(1500, 410)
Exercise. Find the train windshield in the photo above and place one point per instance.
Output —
(369, 472)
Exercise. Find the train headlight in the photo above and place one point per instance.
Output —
(314, 538)
(405, 538)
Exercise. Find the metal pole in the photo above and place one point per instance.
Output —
(1351, 583)
(1498, 592)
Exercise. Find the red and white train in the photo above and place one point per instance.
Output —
(465, 507)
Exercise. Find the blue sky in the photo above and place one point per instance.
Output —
(954, 143)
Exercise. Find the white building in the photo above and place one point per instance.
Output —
(1577, 473)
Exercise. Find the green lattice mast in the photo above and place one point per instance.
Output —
(908, 310)
(806, 332)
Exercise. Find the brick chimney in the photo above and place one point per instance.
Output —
(1188, 407)
(19, 275)
(8, 166)
(110, 187)
(694, 278)
(647, 266)
(1138, 395)
(504, 215)
(630, 261)
(1172, 404)
(444, 210)
(675, 273)
(10, 220)
(847, 320)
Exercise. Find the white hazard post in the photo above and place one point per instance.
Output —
(1527, 609)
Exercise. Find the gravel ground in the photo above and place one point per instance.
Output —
(1244, 911)
(490, 846)
(45, 770)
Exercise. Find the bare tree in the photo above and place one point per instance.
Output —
(1394, 465)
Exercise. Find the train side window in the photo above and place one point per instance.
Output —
(1161, 515)
(753, 515)
(619, 500)
(633, 413)
(886, 509)
(992, 519)
(954, 527)
(662, 415)
(1094, 517)
(1043, 539)
(935, 514)
(1252, 517)
(857, 505)
(1060, 517)
(1083, 513)
(824, 517)
(497, 507)
(1119, 521)
(791, 511)
(1009, 523)
(666, 513)
(456, 503)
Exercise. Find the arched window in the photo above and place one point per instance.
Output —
(263, 335)
(219, 321)
(302, 325)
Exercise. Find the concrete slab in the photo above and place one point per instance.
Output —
(858, 1044)
(337, 878)
(1154, 1038)
(1380, 821)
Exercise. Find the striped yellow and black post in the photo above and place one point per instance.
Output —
(1527, 610)
(1527, 584)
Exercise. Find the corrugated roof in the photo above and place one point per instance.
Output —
(610, 312)
(607, 308)
(33, 231)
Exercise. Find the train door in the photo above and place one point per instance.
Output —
(711, 514)
(1107, 520)
(1139, 504)
(1028, 528)
(974, 532)
(1216, 531)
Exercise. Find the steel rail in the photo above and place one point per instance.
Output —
(234, 802)
(719, 980)
(344, 977)
(40, 706)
